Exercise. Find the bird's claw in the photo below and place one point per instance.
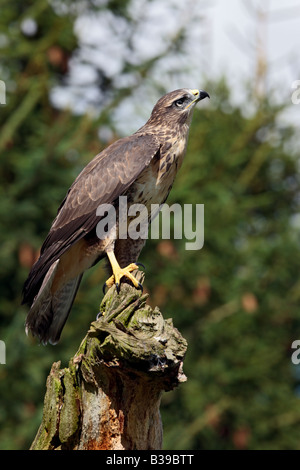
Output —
(140, 287)
(141, 264)
(99, 315)
(115, 279)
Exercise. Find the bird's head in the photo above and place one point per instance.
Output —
(176, 107)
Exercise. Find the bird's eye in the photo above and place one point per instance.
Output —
(179, 103)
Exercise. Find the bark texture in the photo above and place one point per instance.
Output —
(109, 396)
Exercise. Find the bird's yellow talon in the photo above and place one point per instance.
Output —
(110, 282)
(119, 272)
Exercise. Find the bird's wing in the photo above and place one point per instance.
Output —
(102, 181)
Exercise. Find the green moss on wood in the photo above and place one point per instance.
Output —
(70, 409)
(47, 433)
(129, 337)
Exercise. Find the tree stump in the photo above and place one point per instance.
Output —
(109, 396)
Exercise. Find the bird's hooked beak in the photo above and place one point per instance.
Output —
(199, 95)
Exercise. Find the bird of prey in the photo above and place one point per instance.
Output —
(142, 168)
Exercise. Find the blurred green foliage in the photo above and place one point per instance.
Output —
(236, 300)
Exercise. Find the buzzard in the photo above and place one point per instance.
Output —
(141, 168)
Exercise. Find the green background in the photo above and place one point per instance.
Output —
(236, 300)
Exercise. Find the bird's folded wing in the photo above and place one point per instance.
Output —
(102, 181)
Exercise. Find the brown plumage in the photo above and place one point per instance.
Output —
(141, 167)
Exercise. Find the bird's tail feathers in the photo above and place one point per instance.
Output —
(49, 312)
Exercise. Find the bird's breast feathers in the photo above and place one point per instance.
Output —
(155, 182)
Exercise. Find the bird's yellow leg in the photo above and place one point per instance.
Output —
(119, 272)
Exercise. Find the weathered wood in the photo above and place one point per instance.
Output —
(109, 396)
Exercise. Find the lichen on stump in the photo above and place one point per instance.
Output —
(109, 396)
